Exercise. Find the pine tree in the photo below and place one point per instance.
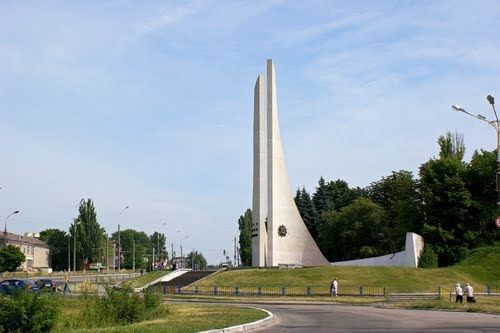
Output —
(319, 197)
(309, 215)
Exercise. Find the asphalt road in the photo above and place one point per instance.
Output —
(341, 318)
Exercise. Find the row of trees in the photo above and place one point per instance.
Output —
(452, 204)
(92, 244)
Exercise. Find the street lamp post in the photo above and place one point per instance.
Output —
(5, 228)
(119, 243)
(160, 257)
(496, 125)
(74, 246)
(107, 258)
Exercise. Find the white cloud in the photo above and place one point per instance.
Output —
(170, 15)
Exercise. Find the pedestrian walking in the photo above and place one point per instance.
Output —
(334, 287)
(459, 294)
(469, 293)
(66, 283)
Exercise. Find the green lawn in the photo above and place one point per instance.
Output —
(479, 269)
(177, 318)
(147, 278)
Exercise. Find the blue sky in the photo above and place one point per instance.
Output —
(149, 104)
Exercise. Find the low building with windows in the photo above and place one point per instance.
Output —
(37, 252)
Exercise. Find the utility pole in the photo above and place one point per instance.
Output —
(69, 255)
(181, 250)
(74, 246)
(172, 253)
(114, 255)
(119, 249)
(158, 246)
(107, 256)
(74, 249)
(235, 249)
(133, 256)
(153, 263)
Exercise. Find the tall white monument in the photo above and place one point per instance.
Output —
(279, 236)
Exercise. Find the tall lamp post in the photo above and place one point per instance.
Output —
(119, 243)
(74, 246)
(105, 234)
(69, 239)
(496, 125)
(5, 228)
(158, 241)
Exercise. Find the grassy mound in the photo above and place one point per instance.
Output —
(479, 269)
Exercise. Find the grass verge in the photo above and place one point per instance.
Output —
(177, 318)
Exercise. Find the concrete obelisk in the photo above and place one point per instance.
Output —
(289, 241)
(259, 232)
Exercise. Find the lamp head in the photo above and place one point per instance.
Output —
(15, 212)
(491, 99)
(457, 108)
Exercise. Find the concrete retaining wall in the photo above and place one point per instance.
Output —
(409, 257)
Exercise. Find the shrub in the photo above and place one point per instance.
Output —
(428, 258)
(26, 311)
(152, 301)
(119, 306)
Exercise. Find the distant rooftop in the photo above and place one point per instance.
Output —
(18, 239)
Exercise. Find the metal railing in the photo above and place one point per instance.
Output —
(271, 290)
(479, 290)
(344, 290)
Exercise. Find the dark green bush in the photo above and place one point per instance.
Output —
(428, 258)
(27, 312)
(152, 301)
(120, 306)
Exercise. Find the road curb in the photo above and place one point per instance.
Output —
(246, 327)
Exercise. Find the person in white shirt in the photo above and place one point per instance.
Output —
(334, 287)
(460, 294)
(469, 292)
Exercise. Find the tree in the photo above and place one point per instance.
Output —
(11, 258)
(196, 260)
(359, 230)
(245, 239)
(451, 146)
(446, 201)
(142, 247)
(398, 195)
(428, 259)
(339, 195)
(480, 181)
(89, 234)
(58, 241)
(319, 198)
(307, 212)
(158, 241)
